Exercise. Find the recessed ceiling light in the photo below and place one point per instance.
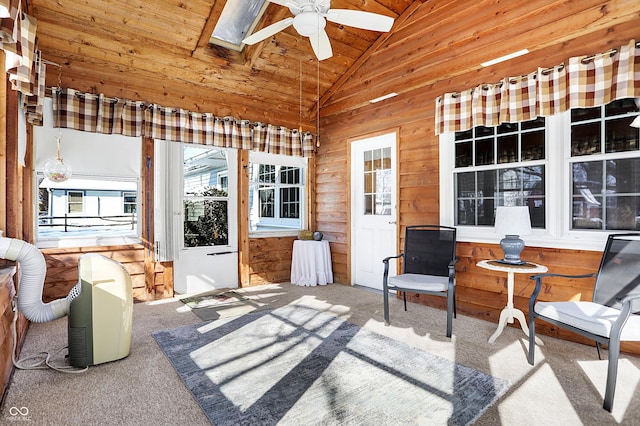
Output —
(505, 57)
(382, 98)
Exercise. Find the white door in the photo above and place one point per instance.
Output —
(205, 219)
(373, 208)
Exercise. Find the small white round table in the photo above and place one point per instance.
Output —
(510, 312)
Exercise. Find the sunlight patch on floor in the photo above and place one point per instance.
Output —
(628, 379)
(511, 361)
(444, 347)
(542, 383)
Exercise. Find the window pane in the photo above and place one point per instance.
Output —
(267, 201)
(464, 155)
(466, 212)
(507, 128)
(289, 202)
(620, 136)
(582, 114)
(290, 175)
(267, 173)
(482, 131)
(587, 199)
(484, 152)
(621, 106)
(467, 134)
(533, 146)
(533, 124)
(369, 202)
(205, 223)
(585, 139)
(623, 213)
(466, 185)
(508, 149)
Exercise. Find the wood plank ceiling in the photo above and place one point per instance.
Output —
(158, 51)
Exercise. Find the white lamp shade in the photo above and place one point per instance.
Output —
(513, 220)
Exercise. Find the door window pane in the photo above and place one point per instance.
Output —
(377, 181)
(205, 199)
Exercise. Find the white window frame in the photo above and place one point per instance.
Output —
(256, 158)
(557, 197)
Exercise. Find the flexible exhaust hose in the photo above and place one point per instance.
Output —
(33, 270)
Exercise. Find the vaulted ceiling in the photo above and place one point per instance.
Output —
(159, 51)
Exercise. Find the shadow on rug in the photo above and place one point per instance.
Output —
(295, 365)
(218, 304)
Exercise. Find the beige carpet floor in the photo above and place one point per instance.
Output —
(565, 387)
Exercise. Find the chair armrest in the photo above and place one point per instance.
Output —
(386, 259)
(540, 276)
(629, 299)
(385, 275)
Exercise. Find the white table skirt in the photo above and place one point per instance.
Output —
(311, 263)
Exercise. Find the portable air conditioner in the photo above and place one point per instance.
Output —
(100, 312)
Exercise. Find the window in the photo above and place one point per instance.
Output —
(377, 182)
(579, 173)
(276, 193)
(237, 20)
(605, 194)
(86, 210)
(205, 199)
(75, 202)
(130, 202)
(500, 166)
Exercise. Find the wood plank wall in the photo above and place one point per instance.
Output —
(12, 189)
(270, 260)
(62, 270)
(481, 293)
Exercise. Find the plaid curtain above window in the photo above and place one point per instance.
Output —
(97, 113)
(485, 107)
(585, 82)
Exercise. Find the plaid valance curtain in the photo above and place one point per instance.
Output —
(23, 61)
(585, 82)
(97, 113)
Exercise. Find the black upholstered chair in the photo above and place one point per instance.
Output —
(428, 267)
(613, 314)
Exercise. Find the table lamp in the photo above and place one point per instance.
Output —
(512, 222)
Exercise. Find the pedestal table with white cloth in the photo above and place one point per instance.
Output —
(311, 263)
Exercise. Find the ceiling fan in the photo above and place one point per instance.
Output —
(309, 20)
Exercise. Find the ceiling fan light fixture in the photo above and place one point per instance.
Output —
(308, 24)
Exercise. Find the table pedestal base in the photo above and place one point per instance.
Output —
(507, 315)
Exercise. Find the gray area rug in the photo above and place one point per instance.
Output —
(297, 366)
(218, 304)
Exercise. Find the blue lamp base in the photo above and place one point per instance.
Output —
(512, 246)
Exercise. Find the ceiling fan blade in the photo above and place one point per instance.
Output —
(360, 19)
(321, 45)
(267, 32)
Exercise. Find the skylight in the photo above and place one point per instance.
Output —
(237, 20)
